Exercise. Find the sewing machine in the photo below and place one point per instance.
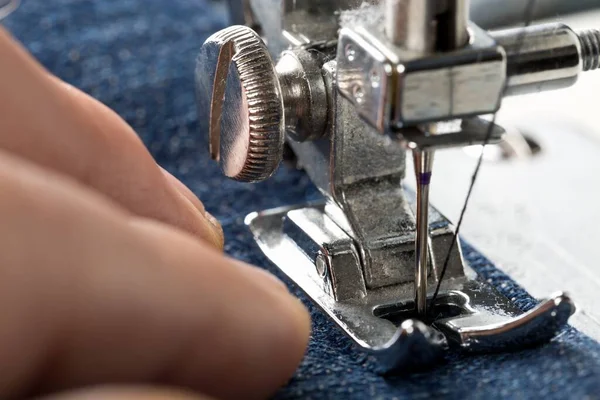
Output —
(347, 90)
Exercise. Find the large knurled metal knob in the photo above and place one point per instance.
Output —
(237, 86)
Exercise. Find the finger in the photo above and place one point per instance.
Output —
(90, 294)
(59, 127)
(187, 193)
(129, 393)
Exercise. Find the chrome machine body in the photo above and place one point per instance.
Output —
(350, 86)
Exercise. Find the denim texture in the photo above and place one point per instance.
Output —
(137, 56)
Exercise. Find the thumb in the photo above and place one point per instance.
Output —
(126, 393)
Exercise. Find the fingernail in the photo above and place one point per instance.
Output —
(218, 236)
(215, 231)
(212, 230)
(213, 221)
(203, 226)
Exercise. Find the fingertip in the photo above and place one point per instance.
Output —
(200, 225)
(298, 334)
(286, 336)
(212, 229)
(288, 341)
(218, 236)
(293, 330)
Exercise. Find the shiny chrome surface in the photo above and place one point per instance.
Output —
(331, 250)
(352, 104)
(537, 217)
(487, 332)
(590, 43)
(488, 14)
(304, 95)
(391, 87)
(423, 160)
(410, 24)
(504, 13)
(450, 134)
(360, 171)
(237, 85)
(473, 316)
(549, 57)
(394, 88)
(453, 25)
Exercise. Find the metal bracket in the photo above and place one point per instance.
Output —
(471, 316)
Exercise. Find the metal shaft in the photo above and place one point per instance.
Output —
(453, 25)
(547, 57)
(423, 160)
(410, 24)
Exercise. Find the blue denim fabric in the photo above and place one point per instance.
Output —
(137, 56)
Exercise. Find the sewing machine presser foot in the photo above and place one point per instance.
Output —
(350, 88)
(468, 315)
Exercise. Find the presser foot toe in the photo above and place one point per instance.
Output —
(415, 345)
(485, 331)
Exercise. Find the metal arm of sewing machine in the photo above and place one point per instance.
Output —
(354, 87)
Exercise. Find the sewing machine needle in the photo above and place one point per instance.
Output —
(423, 160)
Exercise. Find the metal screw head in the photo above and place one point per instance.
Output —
(322, 265)
(358, 93)
(237, 86)
(375, 78)
(350, 52)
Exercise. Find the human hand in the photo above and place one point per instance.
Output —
(112, 271)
